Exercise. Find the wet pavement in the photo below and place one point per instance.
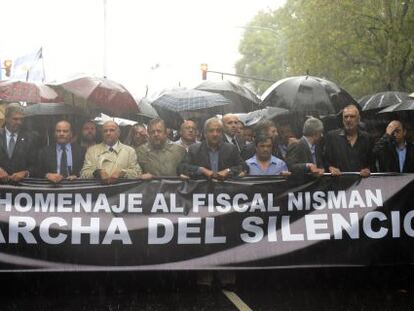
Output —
(379, 288)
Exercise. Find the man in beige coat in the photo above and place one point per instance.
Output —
(110, 160)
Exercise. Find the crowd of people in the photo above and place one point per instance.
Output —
(223, 149)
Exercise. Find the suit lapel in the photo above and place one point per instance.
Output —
(20, 139)
(75, 157)
(221, 156)
(53, 157)
(3, 140)
(308, 152)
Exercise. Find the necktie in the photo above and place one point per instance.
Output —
(12, 144)
(111, 149)
(234, 142)
(313, 152)
(63, 162)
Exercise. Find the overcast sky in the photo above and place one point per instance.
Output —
(159, 43)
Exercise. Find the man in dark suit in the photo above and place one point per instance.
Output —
(305, 156)
(211, 158)
(393, 152)
(62, 160)
(230, 131)
(17, 147)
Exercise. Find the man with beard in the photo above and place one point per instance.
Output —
(349, 149)
(88, 134)
(212, 158)
(159, 156)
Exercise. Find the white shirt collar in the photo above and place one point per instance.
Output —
(8, 133)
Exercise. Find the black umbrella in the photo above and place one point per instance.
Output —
(50, 109)
(307, 94)
(407, 105)
(268, 113)
(173, 107)
(242, 98)
(382, 100)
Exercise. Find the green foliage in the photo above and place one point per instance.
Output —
(364, 46)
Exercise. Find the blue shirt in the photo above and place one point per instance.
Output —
(68, 157)
(402, 152)
(275, 167)
(214, 159)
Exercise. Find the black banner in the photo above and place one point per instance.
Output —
(169, 224)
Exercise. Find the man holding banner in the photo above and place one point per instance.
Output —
(62, 160)
(349, 149)
(17, 147)
(212, 158)
(111, 159)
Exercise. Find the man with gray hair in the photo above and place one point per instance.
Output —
(305, 156)
(211, 158)
(18, 147)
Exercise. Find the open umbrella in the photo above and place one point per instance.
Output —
(28, 92)
(95, 94)
(146, 111)
(307, 94)
(268, 113)
(50, 109)
(407, 105)
(174, 107)
(382, 100)
(242, 98)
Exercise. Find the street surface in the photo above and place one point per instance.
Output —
(380, 288)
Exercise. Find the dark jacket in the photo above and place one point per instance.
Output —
(24, 154)
(386, 154)
(340, 154)
(299, 154)
(239, 141)
(198, 156)
(47, 160)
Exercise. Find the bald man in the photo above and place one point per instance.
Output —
(110, 160)
(62, 160)
(349, 149)
(230, 130)
(392, 150)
